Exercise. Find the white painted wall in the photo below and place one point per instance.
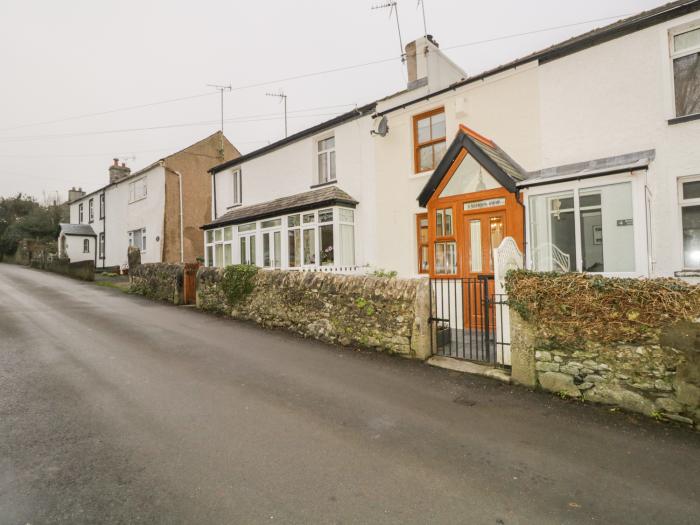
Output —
(617, 98)
(293, 169)
(504, 108)
(122, 217)
(74, 247)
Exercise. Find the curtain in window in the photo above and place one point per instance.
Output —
(686, 72)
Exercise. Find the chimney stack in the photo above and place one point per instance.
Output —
(117, 172)
(74, 194)
(417, 60)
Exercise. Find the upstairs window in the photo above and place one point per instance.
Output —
(429, 139)
(102, 205)
(237, 188)
(137, 190)
(91, 210)
(685, 52)
(326, 160)
(80, 213)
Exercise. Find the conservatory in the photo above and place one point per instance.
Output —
(294, 233)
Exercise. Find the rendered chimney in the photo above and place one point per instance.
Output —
(74, 194)
(417, 60)
(117, 172)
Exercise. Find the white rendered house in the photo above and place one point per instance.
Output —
(605, 126)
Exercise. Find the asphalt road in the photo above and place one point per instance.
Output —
(114, 409)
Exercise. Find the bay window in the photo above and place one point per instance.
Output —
(685, 53)
(319, 238)
(588, 230)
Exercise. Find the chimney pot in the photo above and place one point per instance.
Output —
(116, 162)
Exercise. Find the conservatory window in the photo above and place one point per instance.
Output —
(589, 230)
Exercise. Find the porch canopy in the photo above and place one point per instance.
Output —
(492, 158)
(81, 230)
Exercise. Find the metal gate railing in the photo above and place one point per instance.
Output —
(465, 315)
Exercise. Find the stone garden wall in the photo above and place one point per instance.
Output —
(626, 342)
(386, 314)
(83, 270)
(158, 281)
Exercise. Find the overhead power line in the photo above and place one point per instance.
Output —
(315, 73)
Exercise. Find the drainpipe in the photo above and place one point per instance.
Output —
(182, 213)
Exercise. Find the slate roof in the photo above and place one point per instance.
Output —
(84, 230)
(487, 153)
(327, 196)
(593, 168)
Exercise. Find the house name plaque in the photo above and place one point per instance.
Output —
(488, 203)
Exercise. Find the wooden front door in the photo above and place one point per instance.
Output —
(190, 283)
(483, 233)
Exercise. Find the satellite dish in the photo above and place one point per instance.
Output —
(382, 128)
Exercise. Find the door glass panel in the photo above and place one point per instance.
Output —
(278, 249)
(592, 239)
(309, 246)
(244, 255)
(294, 248)
(219, 255)
(496, 236)
(266, 250)
(475, 264)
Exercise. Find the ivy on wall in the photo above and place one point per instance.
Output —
(237, 282)
(571, 308)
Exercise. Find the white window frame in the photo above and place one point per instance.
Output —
(132, 239)
(639, 218)
(683, 203)
(80, 213)
(256, 236)
(86, 243)
(328, 162)
(91, 210)
(237, 182)
(101, 245)
(102, 205)
(134, 195)
(680, 54)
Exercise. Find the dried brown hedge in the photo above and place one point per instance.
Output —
(572, 308)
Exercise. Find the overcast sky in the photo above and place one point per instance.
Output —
(68, 58)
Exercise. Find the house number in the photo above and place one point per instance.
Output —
(624, 222)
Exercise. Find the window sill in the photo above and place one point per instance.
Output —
(421, 174)
(687, 273)
(686, 118)
(234, 206)
(137, 200)
(322, 184)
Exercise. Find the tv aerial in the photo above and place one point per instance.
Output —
(394, 10)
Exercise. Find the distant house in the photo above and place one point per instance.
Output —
(158, 209)
(77, 242)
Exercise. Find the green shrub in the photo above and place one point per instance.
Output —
(237, 282)
(384, 273)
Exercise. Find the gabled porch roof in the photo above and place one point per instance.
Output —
(496, 161)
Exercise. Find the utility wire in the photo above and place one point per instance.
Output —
(315, 73)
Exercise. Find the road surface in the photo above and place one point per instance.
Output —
(114, 409)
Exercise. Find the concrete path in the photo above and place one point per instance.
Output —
(114, 409)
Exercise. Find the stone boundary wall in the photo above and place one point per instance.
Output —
(657, 375)
(158, 281)
(83, 270)
(385, 314)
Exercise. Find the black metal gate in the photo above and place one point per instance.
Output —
(465, 316)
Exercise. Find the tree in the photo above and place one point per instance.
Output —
(21, 218)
